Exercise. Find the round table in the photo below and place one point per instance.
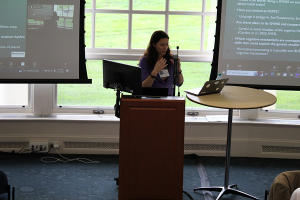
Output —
(233, 97)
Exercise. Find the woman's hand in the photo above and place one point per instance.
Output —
(160, 64)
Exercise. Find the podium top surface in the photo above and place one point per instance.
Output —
(166, 98)
(235, 97)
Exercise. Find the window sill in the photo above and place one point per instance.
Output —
(112, 118)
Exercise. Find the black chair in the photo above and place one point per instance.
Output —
(5, 188)
(266, 194)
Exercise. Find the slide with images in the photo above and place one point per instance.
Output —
(39, 39)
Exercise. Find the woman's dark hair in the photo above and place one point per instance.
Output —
(151, 53)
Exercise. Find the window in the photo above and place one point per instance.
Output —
(286, 100)
(95, 95)
(129, 25)
(14, 95)
(120, 30)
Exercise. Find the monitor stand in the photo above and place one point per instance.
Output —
(118, 98)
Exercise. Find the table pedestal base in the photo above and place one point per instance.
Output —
(224, 190)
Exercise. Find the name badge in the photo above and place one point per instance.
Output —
(164, 73)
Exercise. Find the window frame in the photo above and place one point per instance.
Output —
(201, 55)
(95, 53)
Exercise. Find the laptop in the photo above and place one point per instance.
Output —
(210, 87)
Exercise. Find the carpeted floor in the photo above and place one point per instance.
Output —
(34, 179)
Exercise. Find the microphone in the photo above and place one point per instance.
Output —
(176, 62)
(176, 57)
(175, 72)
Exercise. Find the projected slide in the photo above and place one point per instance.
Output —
(260, 38)
(39, 39)
(50, 16)
(263, 30)
(12, 29)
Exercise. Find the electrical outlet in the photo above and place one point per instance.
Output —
(38, 146)
(56, 145)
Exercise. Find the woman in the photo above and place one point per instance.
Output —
(157, 64)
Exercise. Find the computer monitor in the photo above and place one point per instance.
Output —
(127, 78)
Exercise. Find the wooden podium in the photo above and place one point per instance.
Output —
(151, 148)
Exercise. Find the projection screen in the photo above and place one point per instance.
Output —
(42, 41)
(258, 43)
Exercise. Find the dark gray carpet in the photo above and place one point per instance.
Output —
(74, 180)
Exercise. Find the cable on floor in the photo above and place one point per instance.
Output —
(53, 159)
(189, 196)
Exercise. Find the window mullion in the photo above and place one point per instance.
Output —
(93, 26)
(167, 16)
(130, 23)
(30, 95)
(54, 96)
(203, 25)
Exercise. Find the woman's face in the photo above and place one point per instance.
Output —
(162, 46)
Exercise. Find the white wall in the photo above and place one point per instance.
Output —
(281, 140)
